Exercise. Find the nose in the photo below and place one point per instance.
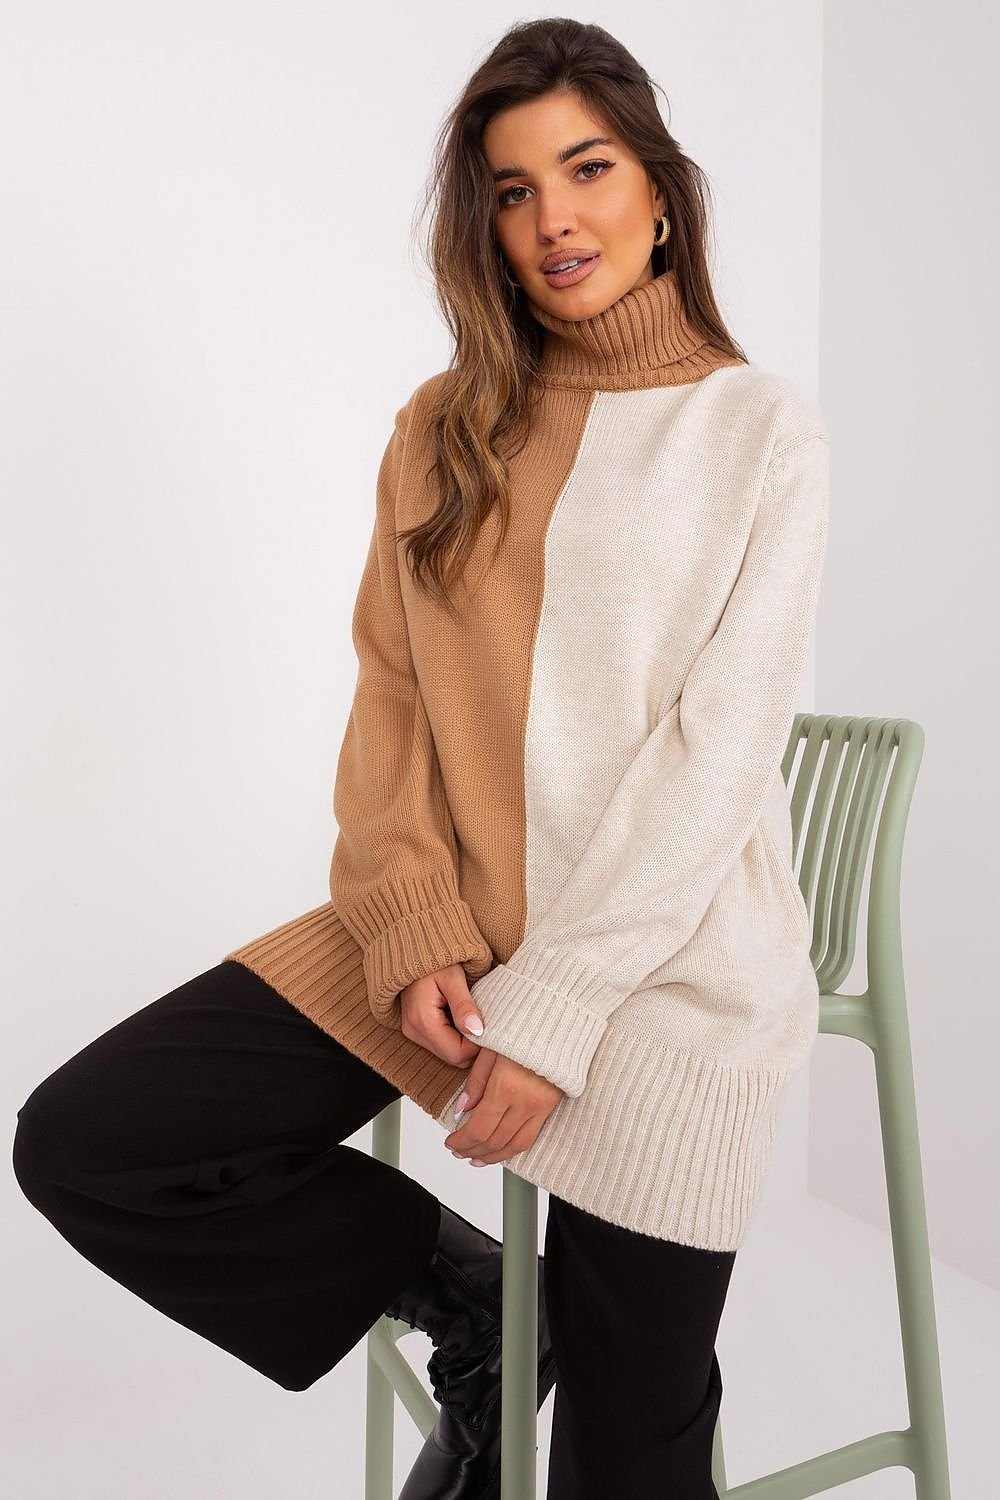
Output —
(554, 217)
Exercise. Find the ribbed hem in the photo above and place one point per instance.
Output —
(315, 964)
(408, 927)
(544, 1019)
(712, 1132)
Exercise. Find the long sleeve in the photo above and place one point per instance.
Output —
(687, 804)
(393, 874)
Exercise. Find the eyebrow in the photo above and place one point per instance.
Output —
(502, 173)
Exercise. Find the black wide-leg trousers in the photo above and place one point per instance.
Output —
(194, 1153)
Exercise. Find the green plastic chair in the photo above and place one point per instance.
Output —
(845, 766)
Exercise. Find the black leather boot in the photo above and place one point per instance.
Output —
(456, 1300)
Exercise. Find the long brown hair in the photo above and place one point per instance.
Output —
(483, 408)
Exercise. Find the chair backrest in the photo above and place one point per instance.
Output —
(845, 767)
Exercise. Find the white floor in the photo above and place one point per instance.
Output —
(105, 1399)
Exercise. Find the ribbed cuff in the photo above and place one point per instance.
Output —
(409, 928)
(543, 1020)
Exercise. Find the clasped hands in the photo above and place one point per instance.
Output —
(507, 1104)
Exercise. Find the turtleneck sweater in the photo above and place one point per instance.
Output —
(574, 788)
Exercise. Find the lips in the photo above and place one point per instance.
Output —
(556, 266)
(585, 266)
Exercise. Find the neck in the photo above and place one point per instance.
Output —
(644, 338)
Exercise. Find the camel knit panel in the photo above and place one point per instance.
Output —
(574, 788)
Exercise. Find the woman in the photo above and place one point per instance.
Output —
(581, 629)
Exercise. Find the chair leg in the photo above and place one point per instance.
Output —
(912, 1261)
(719, 1460)
(519, 1373)
(380, 1416)
(519, 1332)
(380, 1395)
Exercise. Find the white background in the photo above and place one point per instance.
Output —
(213, 302)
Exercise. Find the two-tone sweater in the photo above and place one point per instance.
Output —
(574, 786)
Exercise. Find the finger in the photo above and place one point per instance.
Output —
(520, 1141)
(432, 1028)
(455, 987)
(475, 1085)
(498, 1142)
(447, 1045)
(477, 1130)
(457, 1050)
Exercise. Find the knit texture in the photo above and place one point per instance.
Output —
(575, 788)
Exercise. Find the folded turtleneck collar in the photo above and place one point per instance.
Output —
(642, 339)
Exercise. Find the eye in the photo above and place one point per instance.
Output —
(585, 164)
(504, 200)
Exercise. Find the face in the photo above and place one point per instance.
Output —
(556, 194)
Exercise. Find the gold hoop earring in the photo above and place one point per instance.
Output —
(661, 227)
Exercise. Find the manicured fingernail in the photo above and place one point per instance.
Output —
(474, 1025)
(476, 1163)
(461, 1103)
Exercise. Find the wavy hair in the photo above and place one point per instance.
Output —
(482, 413)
